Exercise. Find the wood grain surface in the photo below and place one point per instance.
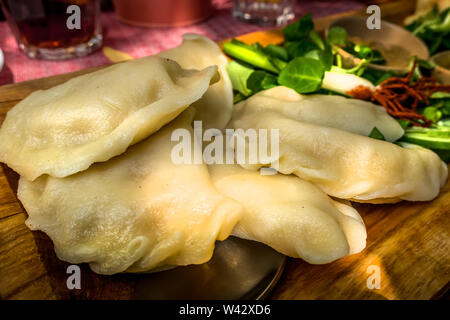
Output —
(409, 242)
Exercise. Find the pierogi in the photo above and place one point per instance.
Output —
(346, 165)
(352, 115)
(137, 212)
(197, 52)
(96, 116)
(291, 215)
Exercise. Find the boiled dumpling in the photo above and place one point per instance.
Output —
(94, 117)
(352, 115)
(291, 215)
(346, 165)
(197, 52)
(136, 212)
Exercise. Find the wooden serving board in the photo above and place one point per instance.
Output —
(408, 242)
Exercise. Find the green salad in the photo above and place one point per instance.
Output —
(434, 29)
(308, 63)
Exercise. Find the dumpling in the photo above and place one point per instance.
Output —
(291, 215)
(136, 212)
(197, 52)
(352, 115)
(346, 165)
(94, 117)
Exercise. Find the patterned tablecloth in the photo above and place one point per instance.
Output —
(140, 42)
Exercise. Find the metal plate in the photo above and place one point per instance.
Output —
(239, 269)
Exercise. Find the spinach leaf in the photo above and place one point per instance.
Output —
(256, 45)
(446, 107)
(261, 80)
(432, 113)
(238, 97)
(277, 52)
(299, 29)
(239, 74)
(434, 42)
(303, 75)
(299, 48)
(278, 63)
(444, 22)
(423, 67)
(434, 29)
(325, 56)
(404, 123)
(337, 36)
(426, 64)
(316, 39)
(441, 101)
(364, 52)
(446, 42)
(376, 134)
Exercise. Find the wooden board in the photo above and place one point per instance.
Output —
(409, 242)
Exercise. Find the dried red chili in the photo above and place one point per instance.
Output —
(400, 96)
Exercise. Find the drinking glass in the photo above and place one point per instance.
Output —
(264, 12)
(54, 29)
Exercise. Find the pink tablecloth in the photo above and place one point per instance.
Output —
(142, 41)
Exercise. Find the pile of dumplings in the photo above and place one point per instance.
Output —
(94, 156)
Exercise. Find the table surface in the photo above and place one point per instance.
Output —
(139, 41)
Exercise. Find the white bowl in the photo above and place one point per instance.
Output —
(442, 70)
(389, 34)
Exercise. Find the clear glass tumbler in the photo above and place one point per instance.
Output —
(264, 12)
(54, 29)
